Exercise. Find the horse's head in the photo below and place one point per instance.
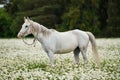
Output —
(26, 28)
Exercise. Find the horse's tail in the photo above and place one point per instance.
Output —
(94, 49)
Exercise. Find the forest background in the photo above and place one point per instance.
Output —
(101, 17)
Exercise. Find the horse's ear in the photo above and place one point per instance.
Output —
(24, 18)
(28, 19)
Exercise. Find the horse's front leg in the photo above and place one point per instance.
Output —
(51, 57)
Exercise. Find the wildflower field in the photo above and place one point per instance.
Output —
(19, 61)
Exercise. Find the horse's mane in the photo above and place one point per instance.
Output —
(46, 31)
(41, 29)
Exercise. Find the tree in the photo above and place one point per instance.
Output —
(113, 27)
(101, 17)
(5, 21)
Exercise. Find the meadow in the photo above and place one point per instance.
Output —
(19, 61)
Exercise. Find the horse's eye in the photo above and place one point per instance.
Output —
(26, 26)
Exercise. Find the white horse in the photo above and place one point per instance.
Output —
(54, 42)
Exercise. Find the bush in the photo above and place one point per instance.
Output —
(5, 22)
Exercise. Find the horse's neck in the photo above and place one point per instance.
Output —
(44, 29)
(41, 31)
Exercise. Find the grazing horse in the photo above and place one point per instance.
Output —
(54, 42)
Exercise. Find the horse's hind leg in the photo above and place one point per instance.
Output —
(76, 55)
(83, 51)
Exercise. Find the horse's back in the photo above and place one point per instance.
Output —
(77, 34)
(80, 33)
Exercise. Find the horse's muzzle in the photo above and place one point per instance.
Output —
(19, 35)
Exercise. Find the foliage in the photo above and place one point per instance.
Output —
(113, 18)
(98, 16)
(5, 21)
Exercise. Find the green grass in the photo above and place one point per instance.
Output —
(21, 62)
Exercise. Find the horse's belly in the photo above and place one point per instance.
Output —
(67, 46)
(63, 51)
